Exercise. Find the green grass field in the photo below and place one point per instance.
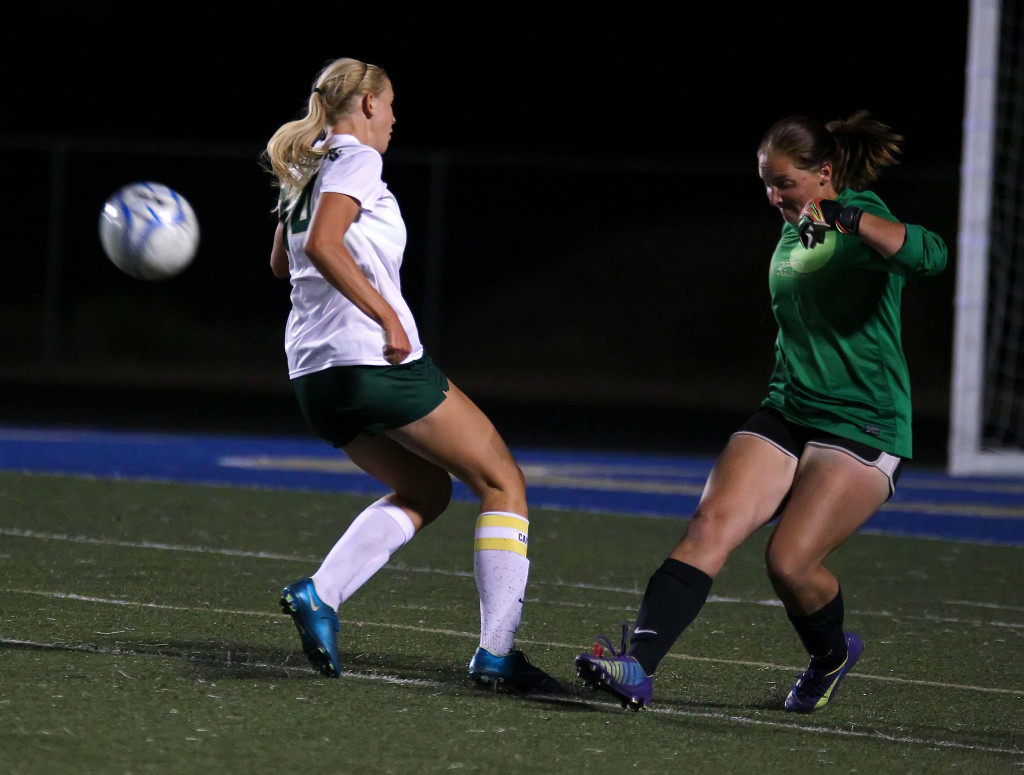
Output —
(140, 633)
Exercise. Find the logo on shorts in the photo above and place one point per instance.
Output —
(872, 430)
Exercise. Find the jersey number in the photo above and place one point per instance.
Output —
(301, 212)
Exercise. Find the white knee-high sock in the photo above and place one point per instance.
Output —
(501, 570)
(377, 533)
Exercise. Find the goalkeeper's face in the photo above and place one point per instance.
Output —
(789, 188)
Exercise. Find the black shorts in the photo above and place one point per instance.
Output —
(791, 438)
(342, 402)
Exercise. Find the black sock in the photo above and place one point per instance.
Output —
(822, 633)
(675, 594)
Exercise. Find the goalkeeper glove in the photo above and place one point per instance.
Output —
(822, 215)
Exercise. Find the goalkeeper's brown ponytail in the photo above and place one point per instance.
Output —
(863, 148)
(858, 147)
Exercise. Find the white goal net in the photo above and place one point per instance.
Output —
(987, 391)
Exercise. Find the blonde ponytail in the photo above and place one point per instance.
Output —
(292, 154)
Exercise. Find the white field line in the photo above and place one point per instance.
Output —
(573, 469)
(543, 475)
(584, 476)
(554, 699)
(599, 476)
(399, 568)
(341, 464)
(955, 509)
(978, 604)
(552, 481)
(474, 636)
(559, 474)
(532, 470)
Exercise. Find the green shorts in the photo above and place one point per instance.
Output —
(342, 402)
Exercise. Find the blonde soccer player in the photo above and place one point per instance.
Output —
(365, 384)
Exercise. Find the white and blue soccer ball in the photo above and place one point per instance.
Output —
(149, 231)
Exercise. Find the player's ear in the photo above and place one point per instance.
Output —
(825, 173)
(369, 106)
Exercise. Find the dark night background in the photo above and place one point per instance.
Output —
(588, 237)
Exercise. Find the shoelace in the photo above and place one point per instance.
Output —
(813, 681)
(604, 643)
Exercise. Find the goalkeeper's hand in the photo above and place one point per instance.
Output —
(820, 216)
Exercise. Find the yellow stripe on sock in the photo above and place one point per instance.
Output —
(500, 544)
(501, 520)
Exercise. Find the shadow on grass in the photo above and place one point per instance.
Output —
(774, 701)
(219, 661)
(223, 659)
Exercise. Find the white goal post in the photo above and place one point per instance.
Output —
(973, 450)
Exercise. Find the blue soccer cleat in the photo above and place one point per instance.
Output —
(815, 688)
(512, 671)
(317, 624)
(616, 672)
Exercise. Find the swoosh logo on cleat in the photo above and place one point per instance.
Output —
(313, 605)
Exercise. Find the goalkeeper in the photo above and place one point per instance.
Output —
(824, 450)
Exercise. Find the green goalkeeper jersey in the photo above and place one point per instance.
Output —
(839, 364)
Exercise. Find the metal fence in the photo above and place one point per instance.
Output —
(568, 279)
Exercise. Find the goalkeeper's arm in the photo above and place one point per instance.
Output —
(822, 215)
(885, 236)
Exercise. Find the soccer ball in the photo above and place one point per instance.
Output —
(149, 231)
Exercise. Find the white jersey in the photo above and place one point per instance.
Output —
(324, 328)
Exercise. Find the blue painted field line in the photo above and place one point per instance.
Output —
(927, 503)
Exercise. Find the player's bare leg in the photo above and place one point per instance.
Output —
(419, 487)
(833, 495)
(458, 437)
(421, 491)
(743, 492)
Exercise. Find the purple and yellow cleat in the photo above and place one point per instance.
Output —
(616, 673)
(815, 688)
